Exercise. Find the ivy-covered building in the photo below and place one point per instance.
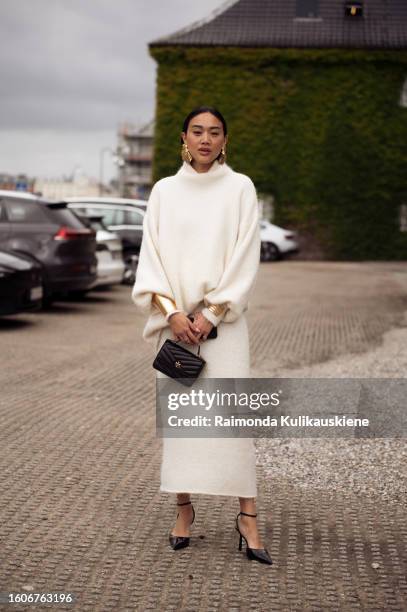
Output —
(315, 95)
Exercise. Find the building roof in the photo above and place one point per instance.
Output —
(130, 130)
(275, 23)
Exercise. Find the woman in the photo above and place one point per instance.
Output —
(200, 255)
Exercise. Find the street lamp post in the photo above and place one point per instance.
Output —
(101, 162)
(122, 151)
(118, 157)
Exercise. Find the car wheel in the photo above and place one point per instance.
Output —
(77, 294)
(47, 299)
(269, 252)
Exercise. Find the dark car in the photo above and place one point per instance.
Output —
(20, 283)
(54, 235)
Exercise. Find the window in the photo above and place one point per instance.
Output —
(108, 214)
(79, 211)
(119, 217)
(64, 216)
(134, 218)
(307, 9)
(20, 211)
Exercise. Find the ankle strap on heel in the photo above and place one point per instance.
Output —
(184, 503)
(246, 514)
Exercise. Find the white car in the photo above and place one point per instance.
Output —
(96, 201)
(109, 253)
(122, 216)
(276, 241)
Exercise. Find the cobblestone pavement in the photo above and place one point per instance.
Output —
(80, 508)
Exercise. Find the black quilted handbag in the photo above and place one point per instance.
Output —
(179, 363)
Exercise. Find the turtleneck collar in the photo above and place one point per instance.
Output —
(215, 171)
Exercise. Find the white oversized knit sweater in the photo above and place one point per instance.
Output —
(201, 243)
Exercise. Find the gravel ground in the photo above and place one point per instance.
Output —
(373, 468)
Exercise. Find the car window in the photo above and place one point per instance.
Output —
(64, 216)
(22, 211)
(108, 214)
(119, 217)
(79, 211)
(133, 217)
(97, 225)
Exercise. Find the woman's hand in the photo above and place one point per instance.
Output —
(184, 329)
(203, 324)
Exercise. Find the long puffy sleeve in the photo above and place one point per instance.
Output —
(240, 273)
(151, 277)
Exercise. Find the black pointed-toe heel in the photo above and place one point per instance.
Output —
(254, 554)
(178, 542)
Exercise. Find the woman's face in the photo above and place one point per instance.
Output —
(204, 138)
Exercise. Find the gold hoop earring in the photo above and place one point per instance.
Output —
(222, 156)
(185, 154)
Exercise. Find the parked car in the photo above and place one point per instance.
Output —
(105, 201)
(124, 218)
(95, 201)
(109, 253)
(54, 235)
(20, 283)
(276, 241)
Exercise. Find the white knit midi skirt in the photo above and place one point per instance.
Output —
(216, 466)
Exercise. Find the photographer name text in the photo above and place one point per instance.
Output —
(267, 421)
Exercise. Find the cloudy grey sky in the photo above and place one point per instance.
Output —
(72, 70)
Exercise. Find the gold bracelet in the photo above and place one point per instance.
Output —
(165, 305)
(217, 309)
